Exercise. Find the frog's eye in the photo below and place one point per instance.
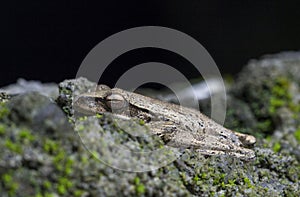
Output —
(116, 102)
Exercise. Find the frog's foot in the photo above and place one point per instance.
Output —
(247, 140)
(246, 156)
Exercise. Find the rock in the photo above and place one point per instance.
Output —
(39, 113)
(22, 86)
(69, 89)
(268, 175)
(270, 87)
(269, 84)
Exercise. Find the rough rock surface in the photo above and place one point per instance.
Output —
(24, 86)
(48, 150)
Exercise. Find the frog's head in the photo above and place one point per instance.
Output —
(102, 99)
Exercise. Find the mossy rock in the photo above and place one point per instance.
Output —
(43, 155)
(269, 84)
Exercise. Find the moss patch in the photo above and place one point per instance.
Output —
(9, 184)
(139, 187)
(297, 135)
(4, 111)
(276, 147)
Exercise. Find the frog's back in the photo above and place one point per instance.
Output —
(168, 110)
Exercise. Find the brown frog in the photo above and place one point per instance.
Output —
(178, 126)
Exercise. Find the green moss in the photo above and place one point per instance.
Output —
(84, 159)
(58, 160)
(297, 135)
(280, 96)
(268, 139)
(267, 142)
(293, 173)
(218, 178)
(50, 146)
(39, 195)
(68, 166)
(63, 164)
(82, 118)
(141, 122)
(50, 194)
(26, 136)
(196, 178)
(13, 188)
(6, 178)
(80, 128)
(9, 184)
(61, 189)
(248, 183)
(139, 187)
(61, 161)
(99, 115)
(136, 180)
(203, 176)
(275, 95)
(15, 147)
(4, 111)
(231, 182)
(66, 110)
(95, 155)
(223, 185)
(275, 103)
(78, 193)
(276, 147)
(47, 184)
(281, 85)
(2, 129)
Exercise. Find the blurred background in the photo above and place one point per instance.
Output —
(47, 41)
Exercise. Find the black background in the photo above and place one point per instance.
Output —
(47, 41)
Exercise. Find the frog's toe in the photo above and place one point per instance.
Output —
(247, 140)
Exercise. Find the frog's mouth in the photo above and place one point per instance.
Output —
(90, 105)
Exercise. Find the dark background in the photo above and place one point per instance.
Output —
(47, 41)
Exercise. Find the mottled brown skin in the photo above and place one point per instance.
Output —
(178, 126)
